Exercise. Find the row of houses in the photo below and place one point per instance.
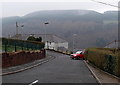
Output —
(51, 41)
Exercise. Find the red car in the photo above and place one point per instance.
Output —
(78, 55)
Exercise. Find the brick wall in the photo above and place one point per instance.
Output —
(17, 58)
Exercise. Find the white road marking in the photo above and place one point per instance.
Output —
(33, 82)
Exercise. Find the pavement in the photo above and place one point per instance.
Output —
(16, 69)
(102, 76)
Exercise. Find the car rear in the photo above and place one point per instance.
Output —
(77, 55)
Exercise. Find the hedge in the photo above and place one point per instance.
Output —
(104, 58)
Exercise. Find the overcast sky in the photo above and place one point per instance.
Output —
(23, 7)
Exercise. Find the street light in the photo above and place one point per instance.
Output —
(22, 29)
(17, 29)
(46, 33)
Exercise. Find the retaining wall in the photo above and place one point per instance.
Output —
(18, 58)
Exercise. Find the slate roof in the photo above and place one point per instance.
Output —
(113, 45)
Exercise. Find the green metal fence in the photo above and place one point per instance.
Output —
(14, 45)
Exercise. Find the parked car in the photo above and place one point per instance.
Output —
(78, 55)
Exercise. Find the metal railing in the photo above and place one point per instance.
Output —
(14, 45)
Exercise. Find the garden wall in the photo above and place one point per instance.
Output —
(18, 58)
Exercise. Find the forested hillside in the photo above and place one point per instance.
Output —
(92, 29)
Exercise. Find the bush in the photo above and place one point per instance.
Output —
(31, 38)
(39, 39)
(105, 59)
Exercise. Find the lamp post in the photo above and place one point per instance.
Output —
(46, 34)
(22, 29)
(17, 29)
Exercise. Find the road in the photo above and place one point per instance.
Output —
(59, 70)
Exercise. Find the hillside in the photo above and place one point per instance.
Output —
(92, 28)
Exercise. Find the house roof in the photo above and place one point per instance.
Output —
(113, 45)
(47, 37)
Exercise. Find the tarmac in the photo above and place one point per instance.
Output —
(101, 76)
(16, 69)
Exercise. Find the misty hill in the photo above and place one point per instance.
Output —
(92, 28)
(80, 15)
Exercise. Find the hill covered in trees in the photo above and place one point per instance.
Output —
(91, 29)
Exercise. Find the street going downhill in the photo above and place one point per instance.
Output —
(62, 69)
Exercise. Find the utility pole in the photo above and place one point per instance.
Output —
(115, 46)
(46, 34)
(16, 30)
(74, 35)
